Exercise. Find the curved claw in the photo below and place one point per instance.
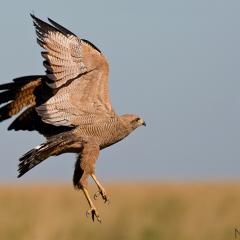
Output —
(97, 194)
(93, 212)
(104, 196)
(106, 199)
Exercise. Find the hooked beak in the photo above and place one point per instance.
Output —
(141, 122)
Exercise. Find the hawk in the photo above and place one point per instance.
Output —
(69, 106)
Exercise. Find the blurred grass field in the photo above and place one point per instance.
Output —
(206, 211)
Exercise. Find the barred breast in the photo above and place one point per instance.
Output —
(105, 133)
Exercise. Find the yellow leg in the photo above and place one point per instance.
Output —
(92, 210)
(101, 191)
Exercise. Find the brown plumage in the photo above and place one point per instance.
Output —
(70, 105)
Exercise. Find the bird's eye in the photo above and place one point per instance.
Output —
(135, 120)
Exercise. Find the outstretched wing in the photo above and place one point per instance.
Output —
(78, 75)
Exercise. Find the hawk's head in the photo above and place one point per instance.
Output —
(133, 121)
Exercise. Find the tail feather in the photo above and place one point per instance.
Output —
(36, 156)
(53, 147)
(28, 161)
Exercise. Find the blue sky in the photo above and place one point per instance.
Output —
(175, 63)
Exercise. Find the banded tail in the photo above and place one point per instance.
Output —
(54, 146)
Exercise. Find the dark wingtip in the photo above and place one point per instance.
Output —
(10, 127)
(20, 171)
(32, 16)
(60, 27)
(51, 21)
(36, 20)
(91, 44)
(21, 174)
(6, 86)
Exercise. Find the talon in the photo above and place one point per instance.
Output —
(96, 195)
(103, 195)
(87, 213)
(107, 201)
(105, 198)
(93, 212)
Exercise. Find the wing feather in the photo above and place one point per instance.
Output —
(78, 75)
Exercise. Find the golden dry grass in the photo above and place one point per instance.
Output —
(137, 211)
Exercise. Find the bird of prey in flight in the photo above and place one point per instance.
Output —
(69, 106)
